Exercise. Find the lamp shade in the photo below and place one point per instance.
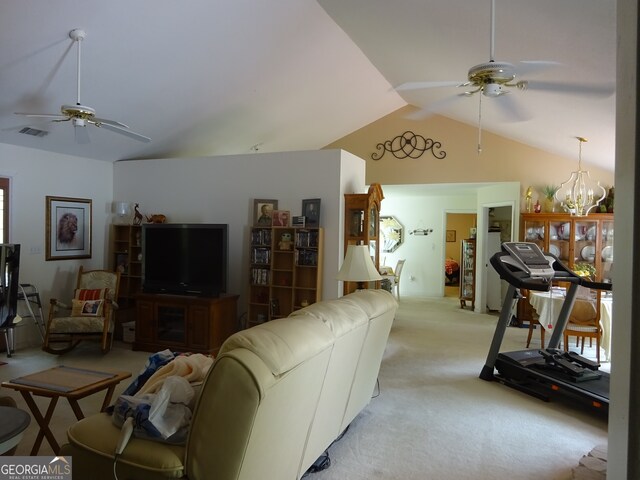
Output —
(121, 208)
(358, 266)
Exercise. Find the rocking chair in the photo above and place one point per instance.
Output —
(90, 315)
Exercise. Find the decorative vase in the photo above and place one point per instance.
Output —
(549, 205)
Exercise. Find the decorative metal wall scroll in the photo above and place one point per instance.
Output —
(421, 231)
(409, 145)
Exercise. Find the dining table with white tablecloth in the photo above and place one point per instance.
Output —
(548, 305)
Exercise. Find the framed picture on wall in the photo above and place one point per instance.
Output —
(451, 235)
(68, 228)
(281, 218)
(311, 212)
(263, 212)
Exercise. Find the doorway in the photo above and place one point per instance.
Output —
(458, 226)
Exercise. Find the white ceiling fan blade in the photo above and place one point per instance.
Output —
(123, 131)
(601, 91)
(511, 108)
(527, 67)
(421, 85)
(435, 107)
(41, 115)
(110, 122)
(81, 134)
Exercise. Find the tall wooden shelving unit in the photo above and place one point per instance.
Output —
(362, 226)
(126, 257)
(283, 277)
(468, 273)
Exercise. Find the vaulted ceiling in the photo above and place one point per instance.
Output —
(204, 77)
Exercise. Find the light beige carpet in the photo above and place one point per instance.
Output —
(433, 419)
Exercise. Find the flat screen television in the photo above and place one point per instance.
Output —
(9, 272)
(185, 258)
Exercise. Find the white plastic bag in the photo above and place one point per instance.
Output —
(169, 409)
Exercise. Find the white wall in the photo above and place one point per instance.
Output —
(215, 189)
(423, 274)
(624, 440)
(222, 190)
(34, 175)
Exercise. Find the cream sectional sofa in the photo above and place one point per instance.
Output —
(275, 398)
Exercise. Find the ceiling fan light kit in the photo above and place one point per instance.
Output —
(80, 115)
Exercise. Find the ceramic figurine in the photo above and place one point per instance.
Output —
(137, 216)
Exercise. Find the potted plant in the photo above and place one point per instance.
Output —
(549, 192)
(584, 269)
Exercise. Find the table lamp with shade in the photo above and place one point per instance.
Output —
(122, 211)
(358, 266)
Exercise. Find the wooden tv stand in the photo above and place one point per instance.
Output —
(184, 323)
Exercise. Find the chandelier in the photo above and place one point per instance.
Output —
(579, 194)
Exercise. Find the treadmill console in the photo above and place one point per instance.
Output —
(529, 258)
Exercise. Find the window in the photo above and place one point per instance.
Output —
(4, 210)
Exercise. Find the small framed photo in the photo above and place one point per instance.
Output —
(451, 235)
(311, 211)
(263, 212)
(68, 228)
(281, 218)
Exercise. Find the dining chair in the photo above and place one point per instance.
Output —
(89, 316)
(584, 321)
(527, 313)
(396, 278)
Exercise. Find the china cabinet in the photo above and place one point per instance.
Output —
(468, 273)
(362, 226)
(584, 244)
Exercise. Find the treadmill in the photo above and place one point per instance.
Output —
(549, 372)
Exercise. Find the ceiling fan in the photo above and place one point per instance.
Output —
(82, 115)
(495, 79)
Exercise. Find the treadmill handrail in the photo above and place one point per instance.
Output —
(521, 279)
(585, 282)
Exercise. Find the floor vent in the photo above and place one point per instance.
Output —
(33, 132)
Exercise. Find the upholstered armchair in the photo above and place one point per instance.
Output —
(89, 316)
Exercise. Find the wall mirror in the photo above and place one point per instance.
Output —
(392, 233)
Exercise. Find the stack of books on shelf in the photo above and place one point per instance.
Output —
(307, 257)
(261, 236)
(260, 276)
(307, 238)
(261, 255)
